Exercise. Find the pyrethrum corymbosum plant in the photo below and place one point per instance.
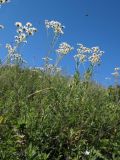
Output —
(47, 116)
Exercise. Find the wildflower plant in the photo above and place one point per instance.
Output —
(81, 56)
(23, 33)
(57, 30)
(90, 55)
(94, 59)
(45, 117)
(64, 49)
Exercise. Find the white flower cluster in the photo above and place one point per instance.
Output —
(1, 27)
(64, 48)
(116, 73)
(82, 49)
(117, 69)
(81, 53)
(24, 31)
(55, 25)
(80, 58)
(4, 1)
(11, 50)
(95, 58)
(96, 55)
(87, 153)
(13, 55)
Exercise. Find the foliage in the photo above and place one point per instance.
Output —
(44, 117)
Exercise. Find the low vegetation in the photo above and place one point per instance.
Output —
(46, 117)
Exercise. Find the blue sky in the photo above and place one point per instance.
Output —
(100, 28)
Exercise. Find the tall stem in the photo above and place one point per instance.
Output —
(51, 48)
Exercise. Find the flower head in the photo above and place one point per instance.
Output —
(117, 69)
(97, 50)
(4, 1)
(82, 49)
(29, 24)
(81, 55)
(55, 25)
(18, 24)
(1, 26)
(87, 153)
(24, 31)
(11, 50)
(64, 48)
(95, 58)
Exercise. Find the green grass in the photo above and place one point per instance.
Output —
(46, 117)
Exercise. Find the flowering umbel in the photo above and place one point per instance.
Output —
(82, 49)
(1, 27)
(95, 58)
(82, 52)
(55, 25)
(64, 48)
(23, 32)
(13, 55)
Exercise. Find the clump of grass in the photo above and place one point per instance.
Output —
(53, 117)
